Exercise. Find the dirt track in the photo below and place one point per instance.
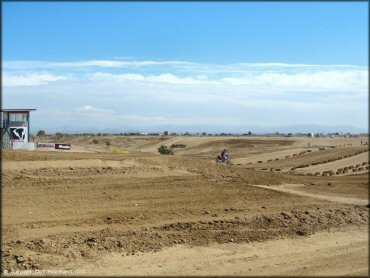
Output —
(279, 257)
(75, 209)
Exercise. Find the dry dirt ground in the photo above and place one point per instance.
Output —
(92, 212)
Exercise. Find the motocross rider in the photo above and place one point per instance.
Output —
(225, 155)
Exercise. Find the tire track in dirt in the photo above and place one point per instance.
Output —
(291, 188)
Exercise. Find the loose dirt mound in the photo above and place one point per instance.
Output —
(91, 245)
(319, 254)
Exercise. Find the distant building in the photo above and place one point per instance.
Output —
(15, 127)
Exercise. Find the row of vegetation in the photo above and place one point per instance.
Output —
(42, 133)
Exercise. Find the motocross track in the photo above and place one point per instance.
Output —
(93, 212)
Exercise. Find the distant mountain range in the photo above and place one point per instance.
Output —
(304, 128)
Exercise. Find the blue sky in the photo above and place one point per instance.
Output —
(155, 64)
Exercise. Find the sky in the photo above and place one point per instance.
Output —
(151, 66)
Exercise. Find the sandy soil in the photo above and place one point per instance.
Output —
(274, 257)
(294, 189)
(75, 210)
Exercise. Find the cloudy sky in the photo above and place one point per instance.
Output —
(146, 66)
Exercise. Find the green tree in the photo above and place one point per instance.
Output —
(41, 133)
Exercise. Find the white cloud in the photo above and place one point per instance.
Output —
(167, 78)
(135, 117)
(22, 65)
(124, 93)
(33, 79)
(93, 110)
(348, 80)
(110, 115)
(268, 75)
(29, 64)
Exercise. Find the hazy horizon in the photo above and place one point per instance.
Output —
(256, 130)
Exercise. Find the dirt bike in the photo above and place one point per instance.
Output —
(219, 160)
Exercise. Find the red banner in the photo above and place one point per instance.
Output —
(62, 146)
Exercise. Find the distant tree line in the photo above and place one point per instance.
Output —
(59, 135)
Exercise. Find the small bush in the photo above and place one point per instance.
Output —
(41, 133)
(165, 150)
(95, 141)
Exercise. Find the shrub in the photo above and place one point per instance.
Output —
(165, 150)
(59, 135)
(95, 141)
(41, 133)
(108, 144)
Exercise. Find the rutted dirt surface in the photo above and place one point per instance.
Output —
(71, 210)
(340, 252)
